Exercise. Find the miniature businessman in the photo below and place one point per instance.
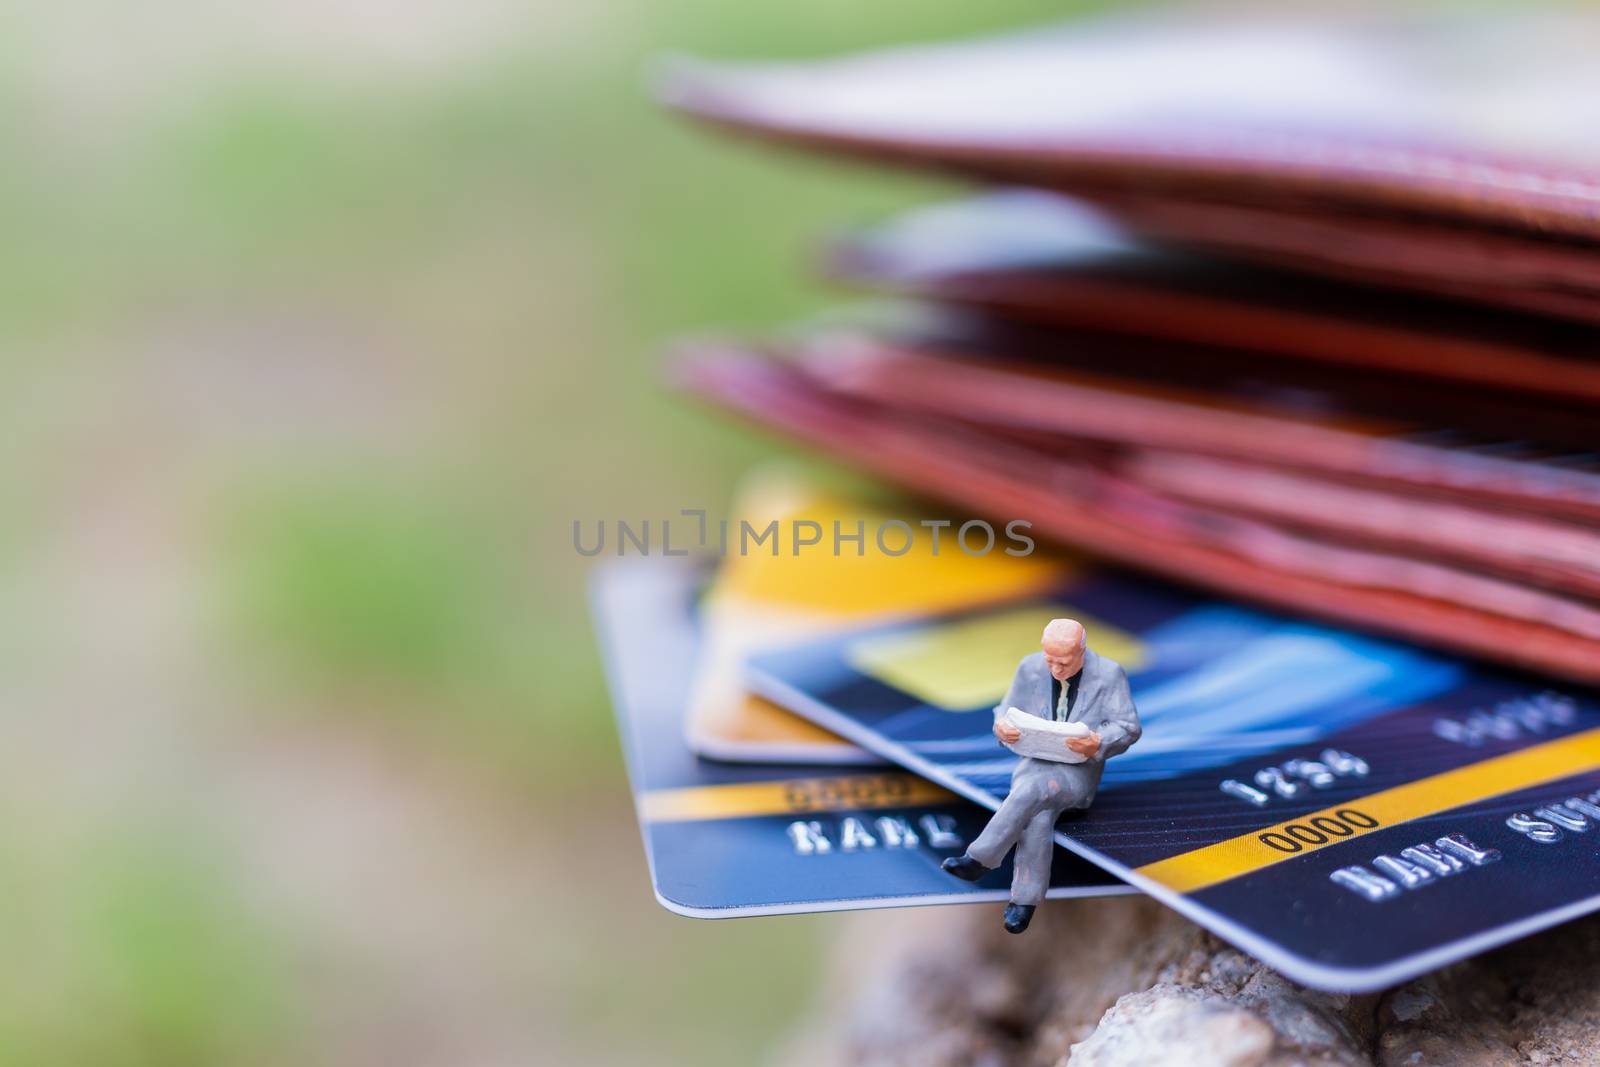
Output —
(1065, 682)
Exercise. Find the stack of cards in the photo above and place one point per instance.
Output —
(745, 808)
(1351, 810)
(1324, 342)
(1304, 314)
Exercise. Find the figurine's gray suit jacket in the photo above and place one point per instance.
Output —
(1041, 789)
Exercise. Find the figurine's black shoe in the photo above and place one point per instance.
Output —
(1018, 916)
(964, 867)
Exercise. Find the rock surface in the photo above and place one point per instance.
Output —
(1124, 982)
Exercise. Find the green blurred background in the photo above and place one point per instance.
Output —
(321, 323)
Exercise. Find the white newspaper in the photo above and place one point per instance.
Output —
(1044, 738)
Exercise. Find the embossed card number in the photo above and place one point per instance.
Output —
(1294, 777)
(1319, 830)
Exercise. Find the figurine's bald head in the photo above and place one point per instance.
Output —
(1063, 644)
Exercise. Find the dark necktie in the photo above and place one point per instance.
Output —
(1056, 711)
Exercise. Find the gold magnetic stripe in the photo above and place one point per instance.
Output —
(793, 796)
(1427, 796)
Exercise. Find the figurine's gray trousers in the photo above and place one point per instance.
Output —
(1040, 792)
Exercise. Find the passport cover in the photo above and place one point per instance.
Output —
(1077, 500)
(1448, 152)
(1048, 259)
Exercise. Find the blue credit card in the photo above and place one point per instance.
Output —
(1352, 811)
(732, 840)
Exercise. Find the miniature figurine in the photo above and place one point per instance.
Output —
(1090, 717)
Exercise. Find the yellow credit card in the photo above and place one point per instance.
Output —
(969, 663)
(774, 593)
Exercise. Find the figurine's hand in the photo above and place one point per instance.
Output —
(1007, 733)
(1085, 746)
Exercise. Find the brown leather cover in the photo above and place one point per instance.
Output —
(1498, 270)
(1072, 493)
(1151, 396)
(1048, 259)
(1451, 152)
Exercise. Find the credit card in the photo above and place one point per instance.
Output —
(724, 840)
(761, 598)
(1350, 810)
